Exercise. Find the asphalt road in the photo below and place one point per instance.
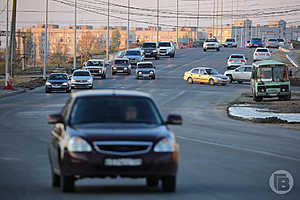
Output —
(220, 158)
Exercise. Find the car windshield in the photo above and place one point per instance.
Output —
(81, 73)
(237, 56)
(121, 62)
(164, 44)
(94, 63)
(58, 77)
(133, 53)
(211, 40)
(262, 50)
(272, 40)
(149, 45)
(256, 39)
(143, 66)
(114, 109)
(229, 40)
(273, 73)
(280, 40)
(211, 71)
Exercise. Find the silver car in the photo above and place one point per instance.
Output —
(145, 70)
(236, 60)
(261, 54)
(134, 56)
(240, 74)
(82, 79)
(272, 43)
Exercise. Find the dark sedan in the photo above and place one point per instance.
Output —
(58, 82)
(110, 133)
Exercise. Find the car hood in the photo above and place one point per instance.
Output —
(135, 57)
(94, 67)
(145, 69)
(123, 132)
(149, 48)
(120, 65)
(219, 76)
(210, 43)
(81, 78)
(164, 47)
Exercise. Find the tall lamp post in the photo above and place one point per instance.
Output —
(46, 43)
(157, 24)
(128, 28)
(75, 36)
(6, 48)
(107, 37)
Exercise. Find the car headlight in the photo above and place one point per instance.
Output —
(65, 84)
(154, 51)
(166, 145)
(151, 72)
(125, 68)
(77, 144)
(114, 68)
(139, 72)
(73, 81)
(48, 83)
(90, 80)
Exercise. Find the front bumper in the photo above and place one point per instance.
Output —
(92, 165)
(150, 54)
(82, 85)
(120, 70)
(57, 88)
(272, 94)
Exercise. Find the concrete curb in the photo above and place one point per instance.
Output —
(11, 93)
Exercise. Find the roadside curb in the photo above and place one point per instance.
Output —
(11, 93)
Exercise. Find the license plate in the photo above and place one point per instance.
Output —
(122, 162)
(148, 53)
(120, 71)
(56, 86)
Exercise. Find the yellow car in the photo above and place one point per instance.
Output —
(205, 75)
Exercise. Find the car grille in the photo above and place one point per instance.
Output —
(81, 81)
(123, 147)
(120, 68)
(210, 45)
(145, 72)
(95, 70)
(163, 51)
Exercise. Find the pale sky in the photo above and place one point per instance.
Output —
(32, 12)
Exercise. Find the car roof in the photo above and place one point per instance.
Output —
(165, 41)
(202, 68)
(261, 48)
(135, 49)
(268, 62)
(246, 66)
(121, 59)
(128, 93)
(57, 73)
(96, 60)
(235, 54)
(149, 42)
(81, 70)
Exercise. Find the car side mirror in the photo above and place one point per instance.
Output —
(174, 120)
(236, 70)
(55, 118)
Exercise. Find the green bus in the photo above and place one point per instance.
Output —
(270, 79)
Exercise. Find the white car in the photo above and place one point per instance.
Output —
(166, 48)
(211, 43)
(261, 54)
(230, 42)
(236, 60)
(82, 79)
(240, 74)
(281, 42)
(96, 67)
(272, 43)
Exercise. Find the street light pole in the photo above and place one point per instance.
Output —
(75, 36)
(6, 48)
(197, 28)
(46, 43)
(157, 26)
(213, 18)
(128, 28)
(177, 4)
(222, 21)
(107, 37)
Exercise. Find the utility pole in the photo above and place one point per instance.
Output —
(217, 19)
(213, 18)
(13, 37)
(46, 43)
(157, 26)
(128, 28)
(177, 41)
(107, 37)
(222, 21)
(197, 28)
(75, 36)
(6, 48)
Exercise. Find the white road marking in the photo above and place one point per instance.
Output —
(239, 148)
(174, 97)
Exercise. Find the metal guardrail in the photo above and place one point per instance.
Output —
(290, 56)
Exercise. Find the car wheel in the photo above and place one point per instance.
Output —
(230, 78)
(223, 84)
(256, 98)
(55, 179)
(47, 91)
(190, 80)
(218, 49)
(152, 181)
(211, 81)
(104, 76)
(240, 82)
(153, 77)
(67, 183)
(169, 184)
(204, 49)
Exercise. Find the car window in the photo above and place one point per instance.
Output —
(116, 109)
(211, 40)
(248, 69)
(81, 73)
(58, 77)
(145, 66)
(195, 71)
(229, 40)
(121, 62)
(241, 69)
(149, 45)
(211, 71)
(133, 53)
(94, 63)
(272, 40)
(164, 44)
(237, 56)
(280, 40)
(262, 50)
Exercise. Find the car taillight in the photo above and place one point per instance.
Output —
(230, 60)
(251, 41)
(268, 54)
(256, 54)
(268, 42)
(243, 61)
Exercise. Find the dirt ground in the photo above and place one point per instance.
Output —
(273, 105)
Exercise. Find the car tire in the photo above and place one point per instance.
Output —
(173, 55)
(223, 84)
(47, 91)
(169, 183)
(218, 49)
(240, 82)
(152, 181)
(190, 80)
(153, 77)
(211, 81)
(104, 76)
(204, 50)
(230, 78)
(256, 98)
(67, 183)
